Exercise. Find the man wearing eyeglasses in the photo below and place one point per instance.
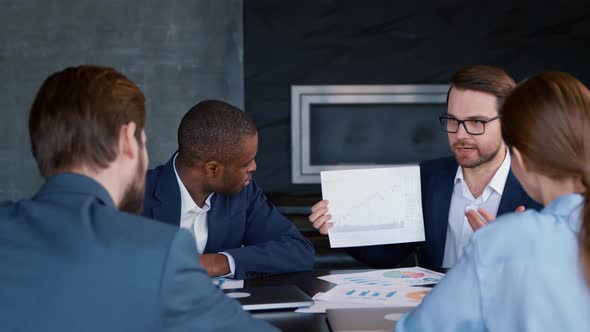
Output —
(463, 193)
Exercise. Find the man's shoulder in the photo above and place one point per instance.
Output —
(130, 222)
(158, 176)
(251, 198)
(137, 238)
(248, 193)
(7, 209)
(91, 222)
(446, 167)
(163, 169)
(154, 173)
(439, 163)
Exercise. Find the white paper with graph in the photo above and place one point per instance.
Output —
(374, 206)
(399, 296)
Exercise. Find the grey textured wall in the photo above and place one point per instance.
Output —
(178, 51)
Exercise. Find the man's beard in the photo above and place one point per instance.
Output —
(483, 158)
(132, 201)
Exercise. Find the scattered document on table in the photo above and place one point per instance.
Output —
(374, 206)
(226, 283)
(408, 276)
(394, 296)
(319, 306)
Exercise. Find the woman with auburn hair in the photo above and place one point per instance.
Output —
(528, 271)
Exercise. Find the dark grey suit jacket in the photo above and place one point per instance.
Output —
(70, 261)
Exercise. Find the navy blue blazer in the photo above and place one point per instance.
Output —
(246, 225)
(436, 177)
(72, 262)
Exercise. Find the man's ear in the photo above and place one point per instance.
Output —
(128, 144)
(213, 169)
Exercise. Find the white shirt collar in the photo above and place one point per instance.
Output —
(497, 182)
(187, 203)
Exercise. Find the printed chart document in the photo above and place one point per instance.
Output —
(401, 287)
(320, 306)
(374, 206)
(394, 287)
(405, 276)
(226, 283)
(399, 296)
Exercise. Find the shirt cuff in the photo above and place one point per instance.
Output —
(232, 265)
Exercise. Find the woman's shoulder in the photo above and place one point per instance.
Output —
(527, 221)
(521, 235)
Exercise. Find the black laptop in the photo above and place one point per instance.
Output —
(270, 297)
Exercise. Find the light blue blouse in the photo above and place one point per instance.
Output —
(522, 272)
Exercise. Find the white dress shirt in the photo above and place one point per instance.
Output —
(194, 219)
(459, 231)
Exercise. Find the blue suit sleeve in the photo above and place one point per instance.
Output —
(189, 300)
(454, 304)
(272, 244)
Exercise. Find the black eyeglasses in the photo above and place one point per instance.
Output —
(472, 127)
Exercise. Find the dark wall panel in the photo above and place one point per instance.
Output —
(392, 42)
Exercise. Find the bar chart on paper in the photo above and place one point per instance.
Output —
(370, 294)
(374, 206)
(380, 295)
(367, 281)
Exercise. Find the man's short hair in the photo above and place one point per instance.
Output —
(212, 130)
(484, 78)
(77, 115)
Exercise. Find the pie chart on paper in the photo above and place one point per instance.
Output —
(403, 274)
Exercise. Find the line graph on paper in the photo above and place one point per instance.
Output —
(374, 205)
